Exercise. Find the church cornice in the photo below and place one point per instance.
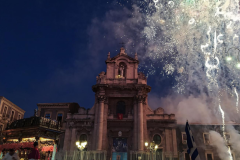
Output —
(138, 87)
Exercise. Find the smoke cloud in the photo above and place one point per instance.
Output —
(219, 143)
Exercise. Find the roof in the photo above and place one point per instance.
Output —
(55, 104)
(5, 99)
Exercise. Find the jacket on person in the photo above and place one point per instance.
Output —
(34, 154)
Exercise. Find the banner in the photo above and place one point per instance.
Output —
(120, 116)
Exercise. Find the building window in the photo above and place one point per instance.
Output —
(48, 115)
(83, 138)
(12, 115)
(59, 117)
(206, 138)
(5, 111)
(186, 156)
(209, 156)
(184, 138)
(121, 107)
(157, 139)
(19, 116)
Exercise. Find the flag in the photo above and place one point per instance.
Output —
(192, 149)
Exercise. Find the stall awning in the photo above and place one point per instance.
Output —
(16, 146)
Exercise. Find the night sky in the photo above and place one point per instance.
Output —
(47, 54)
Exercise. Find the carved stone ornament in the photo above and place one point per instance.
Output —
(120, 134)
(101, 98)
(141, 98)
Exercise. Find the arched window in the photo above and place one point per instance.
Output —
(121, 107)
(157, 139)
(83, 138)
(122, 69)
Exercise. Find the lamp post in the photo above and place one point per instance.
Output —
(152, 148)
(81, 145)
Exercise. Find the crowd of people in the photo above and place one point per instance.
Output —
(34, 154)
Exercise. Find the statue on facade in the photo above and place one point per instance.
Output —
(121, 70)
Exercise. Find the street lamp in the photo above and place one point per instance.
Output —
(146, 144)
(152, 148)
(81, 146)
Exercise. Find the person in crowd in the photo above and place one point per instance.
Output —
(34, 155)
(11, 155)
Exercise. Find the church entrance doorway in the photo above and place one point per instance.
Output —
(120, 148)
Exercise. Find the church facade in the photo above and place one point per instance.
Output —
(121, 120)
(121, 125)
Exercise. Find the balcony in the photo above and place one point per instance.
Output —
(34, 122)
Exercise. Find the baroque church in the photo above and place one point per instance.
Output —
(121, 119)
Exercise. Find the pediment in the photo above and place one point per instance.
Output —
(158, 111)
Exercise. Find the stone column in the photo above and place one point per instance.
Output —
(140, 124)
(73, 140)
(67, 140)
(100, 122)
(105, 117)
(135, 127)
(94, 139)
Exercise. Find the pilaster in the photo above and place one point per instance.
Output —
(174, 138)
(73, 140)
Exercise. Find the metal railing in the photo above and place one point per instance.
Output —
(154, 155)
(81, 155)
(102, 155)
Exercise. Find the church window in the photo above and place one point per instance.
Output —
(121, 107)
(12, 115)
(184, 138)
(186, 156)
(206, 138)
(5, 111)
(209, 156)
(157, 139)
(83, 138)
(122, 69)
(19, 116)
(59, 117)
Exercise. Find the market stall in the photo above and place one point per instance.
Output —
(21, 134)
